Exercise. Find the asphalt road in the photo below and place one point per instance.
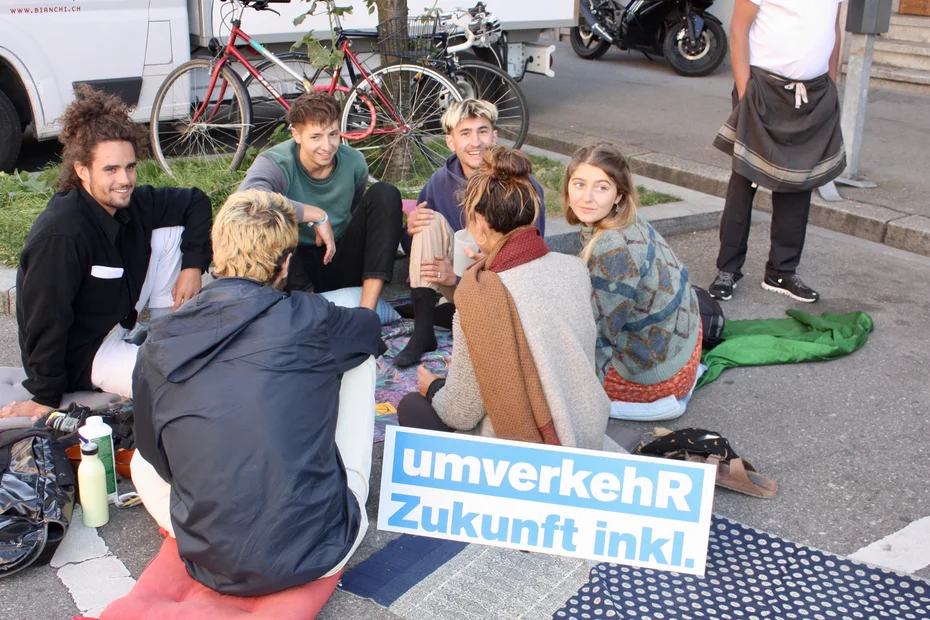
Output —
(846, 440)
(627, 98)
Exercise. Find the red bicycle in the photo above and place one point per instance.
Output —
(204, 110)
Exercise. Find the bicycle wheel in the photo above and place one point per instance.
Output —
(267, 113)
(191, 121)
(476, 79)
(406, 144)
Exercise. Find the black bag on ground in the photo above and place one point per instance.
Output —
(712, 318)
(37, 490)
(694, 440)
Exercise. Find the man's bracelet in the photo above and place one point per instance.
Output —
(323, 221)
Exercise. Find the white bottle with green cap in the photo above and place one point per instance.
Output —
(92, 486)
(99, 432)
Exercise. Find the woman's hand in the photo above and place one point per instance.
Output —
(476, 256)
(425, 379)
(438, 271)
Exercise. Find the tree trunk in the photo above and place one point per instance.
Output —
(399, 163)
(391, 8)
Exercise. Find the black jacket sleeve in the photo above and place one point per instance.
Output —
(354, 334)
(190, 208)
(47, 313)
(148, 442)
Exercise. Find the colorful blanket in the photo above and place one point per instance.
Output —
(394, 383)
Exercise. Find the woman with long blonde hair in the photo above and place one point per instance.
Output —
(522, 364)
(648, 321)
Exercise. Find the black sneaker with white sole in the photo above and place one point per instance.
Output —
(723, 285)
(792, 286)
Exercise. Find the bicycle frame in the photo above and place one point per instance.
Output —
(351, 63)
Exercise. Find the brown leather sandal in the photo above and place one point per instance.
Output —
(740, 476)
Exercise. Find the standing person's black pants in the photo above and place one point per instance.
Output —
(366, 250)
(789, 228)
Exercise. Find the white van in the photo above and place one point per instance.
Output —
(128, 47)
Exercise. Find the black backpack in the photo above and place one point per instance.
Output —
(37, 491)
(712, 319)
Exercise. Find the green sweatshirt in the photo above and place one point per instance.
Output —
(279, 170)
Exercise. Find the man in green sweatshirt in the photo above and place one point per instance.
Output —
(353, 233)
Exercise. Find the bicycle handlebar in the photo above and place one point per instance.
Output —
(469, 35)
(474, 23)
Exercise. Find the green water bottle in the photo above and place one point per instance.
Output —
(92, 486)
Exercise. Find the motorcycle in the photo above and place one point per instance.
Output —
(692, 41)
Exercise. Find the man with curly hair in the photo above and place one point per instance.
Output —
(102, 249)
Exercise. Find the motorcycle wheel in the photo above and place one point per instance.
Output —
(699, 59)
(587, 44)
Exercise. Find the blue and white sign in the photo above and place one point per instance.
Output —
(634, 510)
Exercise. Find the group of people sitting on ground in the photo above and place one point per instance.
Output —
(542, 341)
(254, 395)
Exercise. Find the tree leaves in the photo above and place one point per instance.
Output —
(319, 55)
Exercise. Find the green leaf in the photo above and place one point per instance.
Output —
(304, 40)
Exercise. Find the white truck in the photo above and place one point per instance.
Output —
(47, 47)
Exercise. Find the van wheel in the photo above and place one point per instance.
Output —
(11, 134)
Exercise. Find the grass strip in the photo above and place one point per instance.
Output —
(23, 197)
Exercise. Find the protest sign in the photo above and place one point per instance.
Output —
(619, 508)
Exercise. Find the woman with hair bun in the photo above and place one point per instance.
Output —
(648, 320)
(522, 363)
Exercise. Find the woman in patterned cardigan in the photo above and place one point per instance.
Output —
(648, 322)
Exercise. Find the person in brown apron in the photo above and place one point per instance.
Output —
(783, 134)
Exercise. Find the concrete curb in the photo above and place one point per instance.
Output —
(871, 222)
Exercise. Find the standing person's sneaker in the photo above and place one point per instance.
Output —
(723, 285)
(792, 286)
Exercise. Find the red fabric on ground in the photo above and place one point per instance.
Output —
(166, 592)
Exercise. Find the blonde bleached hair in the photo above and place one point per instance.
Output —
(252, 235)
(609, 159)
(464, 110)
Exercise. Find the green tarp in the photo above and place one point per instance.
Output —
(801, 338)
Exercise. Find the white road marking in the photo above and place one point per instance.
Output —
(907, 550)
(93, 575)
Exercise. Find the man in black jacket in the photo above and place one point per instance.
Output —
(254, 415)
(100, 251)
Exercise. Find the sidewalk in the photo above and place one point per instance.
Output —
(665, 123)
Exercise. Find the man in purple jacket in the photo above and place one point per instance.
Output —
(469, 127)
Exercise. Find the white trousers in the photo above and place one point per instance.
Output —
(355, 427)
(116, 358)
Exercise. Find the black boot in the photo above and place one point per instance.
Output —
(424, 338)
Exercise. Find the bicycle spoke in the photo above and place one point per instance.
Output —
(268, 114)
(222, 127)
(410, 143)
